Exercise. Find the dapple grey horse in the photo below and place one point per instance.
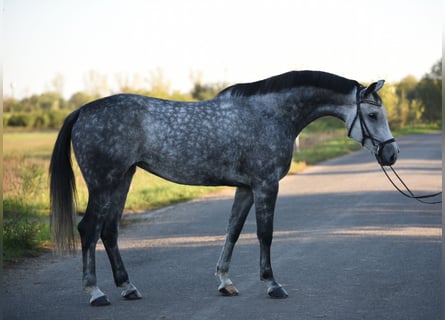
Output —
(243, 138)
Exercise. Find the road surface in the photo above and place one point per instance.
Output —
(346, 246)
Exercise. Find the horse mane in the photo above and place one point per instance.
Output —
(291, 80)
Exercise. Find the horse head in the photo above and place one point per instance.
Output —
(370, 127)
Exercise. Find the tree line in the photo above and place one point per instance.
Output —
(408, 102)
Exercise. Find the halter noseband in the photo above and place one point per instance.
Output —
(365, 130)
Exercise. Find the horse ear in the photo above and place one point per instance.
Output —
(374, 87)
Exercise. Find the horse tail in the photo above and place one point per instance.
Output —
(63, 189)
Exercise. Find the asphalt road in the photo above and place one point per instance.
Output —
(346, 246)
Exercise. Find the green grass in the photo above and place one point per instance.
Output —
(29, 144)
(150, 192)
(25, 182)
(24, 232)
(419, 129)
(326, 149)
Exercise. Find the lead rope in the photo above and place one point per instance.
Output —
(409, 193)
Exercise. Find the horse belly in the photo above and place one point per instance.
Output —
(195, 170)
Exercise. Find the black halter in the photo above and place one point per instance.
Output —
(365, 130)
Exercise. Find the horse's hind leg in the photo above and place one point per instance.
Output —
(240, 209)
(89, 229)
(102, 217)
(109, 237)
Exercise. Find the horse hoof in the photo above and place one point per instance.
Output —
(228, 290)
(100, 301)
(130, 292)
(133, 295)
(277, 293)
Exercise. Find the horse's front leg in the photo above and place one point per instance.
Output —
(265, 198)
(240, 209)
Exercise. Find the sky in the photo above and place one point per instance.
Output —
(227, 41)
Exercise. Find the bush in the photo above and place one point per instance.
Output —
(20, 229)
(50, 119)
(19, 120)
(22, 223)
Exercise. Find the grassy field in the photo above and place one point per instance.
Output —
(25, 182)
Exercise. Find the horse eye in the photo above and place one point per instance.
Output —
(372, 116)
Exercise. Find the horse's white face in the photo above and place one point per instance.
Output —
(368, 124)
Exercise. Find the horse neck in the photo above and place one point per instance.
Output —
(308, 104)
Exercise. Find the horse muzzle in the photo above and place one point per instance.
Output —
(386, 152)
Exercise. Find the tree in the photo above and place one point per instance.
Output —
(58, 83)
(204, 91)
(389, 98)
(409, 108)
(436, 71)
(96, 83)
(159, 86)
(10, 105)
(429, 92)
(80, 98)
(50, 101)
